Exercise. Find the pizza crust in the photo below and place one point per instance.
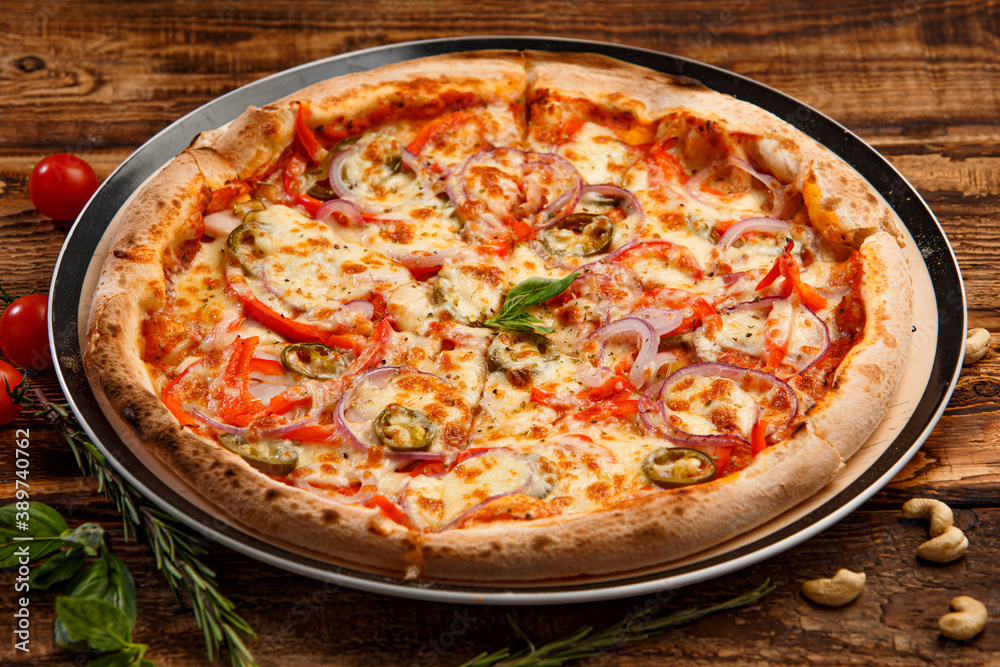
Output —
(639, 533)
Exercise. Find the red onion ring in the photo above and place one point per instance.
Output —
(779, 202)
(343, 207)
(767, 225)
(219, 426)
(736, 374)
(648, 342)
(376, 375)
(469, 511)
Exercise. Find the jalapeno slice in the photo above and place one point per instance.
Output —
(402, 429)
(271, 457)
(238, 248)
(313, 360)
(678, 466)
(579, 234)
(245, 208)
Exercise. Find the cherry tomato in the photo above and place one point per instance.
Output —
(24, 332)
(8, 408)
(60, 185)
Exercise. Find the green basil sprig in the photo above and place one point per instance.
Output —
(98, 611)
(526, 293)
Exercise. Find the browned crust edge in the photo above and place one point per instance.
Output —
(646, 531)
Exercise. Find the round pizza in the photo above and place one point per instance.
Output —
(503, 316)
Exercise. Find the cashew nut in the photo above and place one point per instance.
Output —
(977, 343)
(940, 514)
(836, 591)
(967, 621)
(946, 547)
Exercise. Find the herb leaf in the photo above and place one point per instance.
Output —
(90, 536)
(44, 524)
(526, 293)
(101, 624)
(58, 567)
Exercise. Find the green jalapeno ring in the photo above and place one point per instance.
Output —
(243, 253)
(403, 429)
(271, 457)
(324, 363)
(661, 467)
(595, 231)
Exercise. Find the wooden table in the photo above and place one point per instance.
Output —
(918, 79)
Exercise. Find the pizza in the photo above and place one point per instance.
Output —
(503, 316)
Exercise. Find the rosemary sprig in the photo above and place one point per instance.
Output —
(585, 643)
(177, 551)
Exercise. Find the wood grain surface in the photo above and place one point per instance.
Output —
(918, 79)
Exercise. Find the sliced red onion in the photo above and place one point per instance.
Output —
(524, 488)
(337, 183)
(612, 256)
(663, 320)
(735, 374)
(631, 204)
(825, 330)
(595, 377)
(561, 207)
(765, 225)
(779, 200)
(380, 377)
(363, 308)
(654, 420)
(219, 426)
(693, 185)
(329, 211)
(648, 342)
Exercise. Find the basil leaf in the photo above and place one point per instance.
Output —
(42, 523)
(527, 293)
(535, 289)
(88, 535)
(58, 567)
(39, 547)
(121, 586)
(102, 625)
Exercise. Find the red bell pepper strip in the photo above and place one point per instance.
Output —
(388, 508)
(722, 460)
(236, 405)
(677, 255)
(287, 400)
(267, 366)
(437, 127)
(297, 332)
(306, 136)
(758, 440)
(786, 266)
(616, 407)
(173, 402)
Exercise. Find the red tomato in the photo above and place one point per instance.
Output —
(60, 185)
(8, 408)
(24, 332)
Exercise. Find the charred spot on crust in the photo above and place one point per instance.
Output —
(128, 414)
(541, 541)
(271, 494)
(330, 516)
(228, 472)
